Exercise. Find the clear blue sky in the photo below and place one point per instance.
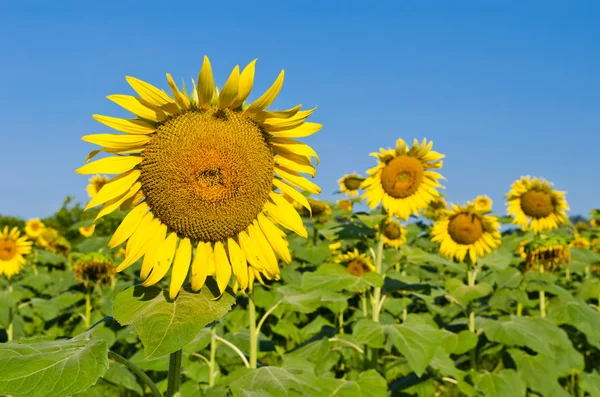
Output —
(503, 88)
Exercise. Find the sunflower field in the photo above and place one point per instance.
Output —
(205, 264)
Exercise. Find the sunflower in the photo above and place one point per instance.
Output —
(483, 204)
(87, 231)
(356, 263)
(47, 236)
(95, 184)
(334, 248)
(582, 226)
(94, 268)
(580, 242)
(548, 252)
(595, 223)
(318, 209)
(350, 184)
(346, 205)
(34, 227)
(60, 245)
(535, 205)
(437, 209)
(466, 231)
(394, 234)
(12, 249)
(402, 180)
(205, 169)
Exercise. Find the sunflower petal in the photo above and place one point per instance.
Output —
(230, 90)
(284, 214)
(200, 265)
(293, 193)
(139, 107)
(268, 97)
(117, 141)
(130, 126)
(272, 233)
(181, 99)
(287, 145)
(252, 255)
(162, 260)
(304, 130)
(128, 225)
(153, 95)
(115, 203)
(137, 242)
(246, 82)
(206, 84)
(299, 181)
(115, 188)
(296, 163)
(238, 263)
(110, 165)
(222, 267)
(181, 265)
(156, 241)
(265, 248)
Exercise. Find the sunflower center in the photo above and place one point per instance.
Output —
(356, 268)
(207, 173)
(352, 183)
(465, 228)
(8, 249)
(537, 204)
(402, 176)
(34, 226)
(392, 231)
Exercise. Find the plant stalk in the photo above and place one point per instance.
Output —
(471, 277)
(9, 329)
(88, 308)
(378, 268)
(253, 335)
(137, 371)
(542, 297)
(341, 322)
(213, 355)
(174, 380)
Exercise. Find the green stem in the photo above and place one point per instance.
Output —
(341, 322)
(542, 297)
(363, 304)
(88, 308)
(174, 379)
(213, 355)
(9, 329)
(568, 274)
(471, 277)
(519, 309)
(253, 335)
(588, 272)
(137, 371)
(378, 268)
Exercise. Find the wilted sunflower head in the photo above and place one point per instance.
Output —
(350, 184)
(12, 251)
(95, 184)
(582, 226)
(204, 168)
(34, 227)
(87, 231)
(535, 205)
(94, 268)
(394, 234)
(483, 204)
(466, 231)
(357, 264)
(403, 181)
(548, 252)
(580, 242)
(60, 245)
(47, 236)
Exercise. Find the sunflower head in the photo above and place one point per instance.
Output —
(350, 184)
(320, 210)
(595, 223)
(60, 245)
(437, 209)
(548, 252)
(204, 168)
(483, 204)
(47, 236)
(34, 227)
(394, 234)
(94, 268)
(466, 231)
(580, 242)
(346, 205)
(535, 205)
(582, 226)
(13, 248)
(87, 231)
(357, 264)
(95, 184)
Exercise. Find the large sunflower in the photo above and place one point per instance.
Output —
(350, 184)
(402, 180)
(34, 227)
(394, 234)
(535, 205)
(12, 249)
(205, 168)
(466, 231)
(95, 184)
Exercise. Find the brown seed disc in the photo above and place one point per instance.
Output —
(8, 249)
(537, 204)
(402, 176)
(352, 182)
(356, 268)
(392, 230)
(465, 228)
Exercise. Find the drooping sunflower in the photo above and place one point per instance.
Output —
(47, 236)
(535, 205)
(403, 180)
(582, 226)
(483, 204)
(548, 252)
(34, 227)
(319, 210)
(394, 234)
(60, 245)
(205, 169)
(357, 264)
(12, 250)
(94, 268)
(466, 231)
(87, 231)
(350, 184)
(95, 184)
(580, 242)
(437, 209)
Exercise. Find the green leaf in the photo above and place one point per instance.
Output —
(277, 381)
(590, 383)
(467, 340)
(48, 258)
(580, 255)
(52, 368)
(579, 315)
(166, 326)
(465, 293)
(505, 383)
(368, 332)
(119, 375)
(497, 260)
(93, 244)
(416, 342)
(368, 384)
(538, 373)
(299, 299)
(335, 277)
(590, 289)
(314, 255)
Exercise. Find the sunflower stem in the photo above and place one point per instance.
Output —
(88, 308)
(471, 277)
(137, 371)
(9, 329)
(213, 355)
(542, 297)
(519, 309)
(378, 268)
(363, 304)
(174, 379)
(341, 322)
(253, 335)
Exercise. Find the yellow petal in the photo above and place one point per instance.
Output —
(246, 82)
(181, 99)
(268, 97)
(153, 95)
(281, 124)
(222, 266)
(284, 214)
(200, 265)
(265, 248)
(230, 89)
(250, 252)
(206, 84)
(272, 233)
(162, 260)
(287, 145)
(139, 107)
(115, 188)
(238, 263)
(128, 225)
(156, 241)
(117, 141)
(125, 125)
(306, 129)
(137, 243)
(299, 181)
(181, 265)
(280, 114)
(293, 193)
(296, 163)
(115, 203)
(110, 165)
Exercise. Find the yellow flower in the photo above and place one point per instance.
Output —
(595, 223)
(346, 205)
(436, 209)
(582, 226)
(46, 237)
(580, 242)
(12, 249)
(535, 205)
(466, 231)
(205, 169)
(334, 248)
(94, 268)
(87, 231)
(483, 204)
(96, 183)
(357, 263)
(320, 210)
(394, 234)
(60, 245)
(548, 252)
(120, 253)
(402, 180)
(34, 227)
(350, 184)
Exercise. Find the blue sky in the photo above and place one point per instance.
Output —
(503, 88)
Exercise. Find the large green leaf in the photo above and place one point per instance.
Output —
(119, 375)
(277, 381)
(368, 332)
(335, 277)
(368, 384)
(166, 326)
(36, 368)
(498, 260)
(505, 383)
(590, 383)
(580, 255)
(416, 342)
(467, 293)
(538, 373)
(579, 315)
